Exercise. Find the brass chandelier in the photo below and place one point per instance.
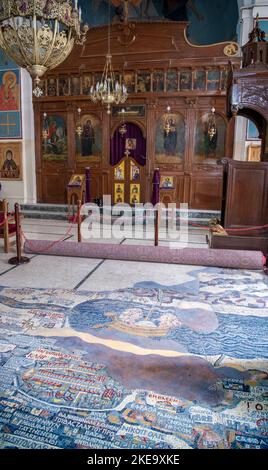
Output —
(167, 123)
(108, 91)
(123, 127)
(39, 34)
(212, 126)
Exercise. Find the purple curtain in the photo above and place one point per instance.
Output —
(87, 198)
(156, 186)
(118, 145)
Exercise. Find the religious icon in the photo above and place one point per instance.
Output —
(88, 138)
(75, 86)
(119, 192)
(55, 146)
(89, 144)
(86, 84)
(129, 80)
(10, 161)
(166, 182)
(186, 80)
(209, 149)
(134, 172)
(144, 82)
(172, 80)
(199, 80)
(63, 86)
(170, 138)
(134, 193)
(213, 79)
(119, 171)
(9, 91)
(130, 144)
(51, 87)
(158, 81)
(76, 180)
(134, 199)
(10, 116)
(130, 110)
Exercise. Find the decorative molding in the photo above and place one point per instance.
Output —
(190, 102)
(255, 95)
(231, 49)
(127, 34)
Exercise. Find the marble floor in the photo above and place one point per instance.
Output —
(45, 271)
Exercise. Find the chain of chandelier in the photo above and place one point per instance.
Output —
(109, 91)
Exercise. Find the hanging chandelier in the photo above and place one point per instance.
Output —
(108, 91)
(123, 127)
(212, 127)
(79, 128)
(167, 123)
(39, 34)
(45, 128)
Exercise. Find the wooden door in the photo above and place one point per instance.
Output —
(54, 159)
(128, 182)
(247, 194)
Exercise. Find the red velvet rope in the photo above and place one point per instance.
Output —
(54, 242)
(3, 223)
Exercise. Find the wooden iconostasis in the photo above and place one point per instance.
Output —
(161, 69)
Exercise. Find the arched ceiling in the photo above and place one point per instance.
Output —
(211, 21)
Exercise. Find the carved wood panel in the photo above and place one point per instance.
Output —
(206, 192)
(247, 194)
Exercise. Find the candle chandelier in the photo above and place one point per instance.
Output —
(39, 34)
(45, 128)
(168, 122)
(212, 127)
(123, 127)
(79, 127)
(109, 90)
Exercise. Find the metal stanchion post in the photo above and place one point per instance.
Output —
(79, 238)
(156, 226)
(18, 259)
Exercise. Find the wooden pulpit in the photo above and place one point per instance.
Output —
(76, 191)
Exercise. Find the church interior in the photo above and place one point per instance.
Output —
(133, 224)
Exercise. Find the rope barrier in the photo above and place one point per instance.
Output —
(3, 222)
(157, 220)
(202, 227)
(54, 242)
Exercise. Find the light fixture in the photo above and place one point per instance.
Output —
(123, 127)
(108, 91)
(45, 128)
(167, 124)
(39, 34)
(212, 128)
(79, 128)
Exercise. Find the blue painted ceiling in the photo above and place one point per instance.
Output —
(210, 20)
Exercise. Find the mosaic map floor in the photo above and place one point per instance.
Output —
(181, 366)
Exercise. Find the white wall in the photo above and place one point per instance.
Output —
(25, 190)
(248, 12)
(241, 142)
